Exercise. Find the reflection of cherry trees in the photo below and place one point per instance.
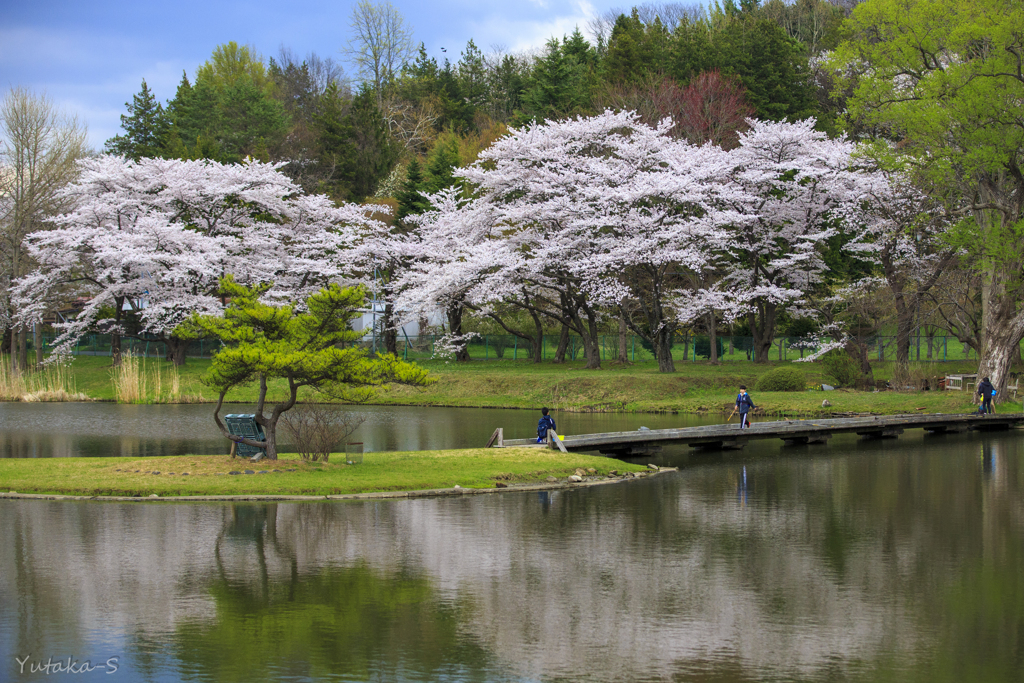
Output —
(788, 569)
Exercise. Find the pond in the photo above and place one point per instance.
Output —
(861, 560)
(104, 429)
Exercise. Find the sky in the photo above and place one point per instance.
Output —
(90, 56)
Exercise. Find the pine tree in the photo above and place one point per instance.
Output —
(442, 162)
(410, 198)
(559, 85)
(145, 128)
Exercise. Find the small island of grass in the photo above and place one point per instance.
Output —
(222, 475)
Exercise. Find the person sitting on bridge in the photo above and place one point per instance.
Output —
(744, 404)
(986, 391)
(546, 422)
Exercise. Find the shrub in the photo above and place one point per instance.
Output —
(317, 429)
(781, 379)
(840, 368)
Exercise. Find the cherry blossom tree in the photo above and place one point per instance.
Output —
(900, 228)
(156, 235)
(448, 254)
(598, 210)
(790, 181)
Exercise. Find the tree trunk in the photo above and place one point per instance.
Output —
(762, 328)
(37, 343)
(859, 352)
(563, 345)
(591, 343)
(455, 313)
(663, 350)
(623, 339)
(23, 348)
(713, 337)
(176, 349)
(904, 326)
(115, 333)
(270, 431)
(592, 347)
(1003, 331)
(390, 330)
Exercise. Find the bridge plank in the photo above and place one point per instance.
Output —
(784, 429)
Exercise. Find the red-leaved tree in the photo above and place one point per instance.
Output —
(713, 107)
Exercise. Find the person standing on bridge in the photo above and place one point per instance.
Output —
(744, 404)
(986, 391)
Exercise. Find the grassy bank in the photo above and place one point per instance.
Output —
(694, 388)
(209, 475)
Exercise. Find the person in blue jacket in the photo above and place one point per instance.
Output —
(744, 404)
(546, 422)
(986, 391)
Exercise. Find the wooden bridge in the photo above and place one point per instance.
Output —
(730, 436)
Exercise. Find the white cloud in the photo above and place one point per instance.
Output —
(533, 33)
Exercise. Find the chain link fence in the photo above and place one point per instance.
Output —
(692, 348)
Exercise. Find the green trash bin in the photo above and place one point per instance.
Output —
(240, 424)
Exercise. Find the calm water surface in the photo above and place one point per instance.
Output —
(31, 430)
(860, 561)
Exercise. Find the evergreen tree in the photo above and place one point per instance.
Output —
(227, 114)
(472, 75)
(250, 121)
(507, 84)
(145, 127)
(442, 162)
(333, 128)
(577, 48)
(635, 50)
(356, 142)
(691, 52)
(410, 198)
(559, 85)
(771, 65)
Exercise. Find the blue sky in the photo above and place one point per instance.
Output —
(90, 57)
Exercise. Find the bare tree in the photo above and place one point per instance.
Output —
(39, 145)
(669, 13)
(381, 43)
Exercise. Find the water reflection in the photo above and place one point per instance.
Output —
(32, 430)
(901, 562)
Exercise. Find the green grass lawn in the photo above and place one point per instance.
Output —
(639, 387)
(207, 475)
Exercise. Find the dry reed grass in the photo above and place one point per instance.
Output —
(130, 379)
(135, 383)
(54, 383)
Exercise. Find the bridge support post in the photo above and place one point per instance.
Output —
(947, 429)
(802, 440)
(724, 445)
(887, 433)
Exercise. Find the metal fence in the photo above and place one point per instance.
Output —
(691, 348)
(99, 345)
